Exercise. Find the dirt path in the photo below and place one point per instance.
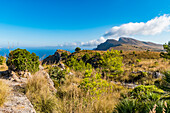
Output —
(16, 101)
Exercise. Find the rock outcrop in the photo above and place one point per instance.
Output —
(54, 59)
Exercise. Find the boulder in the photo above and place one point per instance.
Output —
(27, 75)
(157, 74)
(15, 77)
(41, 67)
(62, 66)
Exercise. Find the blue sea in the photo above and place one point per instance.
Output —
(41, 52)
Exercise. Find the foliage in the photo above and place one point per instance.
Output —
(2, 60)
(165, 82)
(125, 106)
(64, 55)
(57, 75)
(142, 92)
(37, 91)
(132, 106)
(4, 92)
(22, 60)
(143, 99)
(111, 63)
(86, 57)
(94, 84)
(167, 49)
(76, 65)
(138, 60)
(77, 49)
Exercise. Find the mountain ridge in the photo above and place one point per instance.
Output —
(126, 43)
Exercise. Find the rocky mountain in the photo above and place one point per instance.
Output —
(125, 43)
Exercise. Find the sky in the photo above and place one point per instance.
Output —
(85, 23)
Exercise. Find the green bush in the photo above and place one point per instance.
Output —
(86, 57)
(111, 63)
(76, 65)
(57, 75)
(165, 82)
(64, 55)
(2, 60)
(94, 84)
(126, 106)
(77, 49)
(22, 60)
(167, 49)
(142, 92)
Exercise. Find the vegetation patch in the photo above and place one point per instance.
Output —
(22, 60)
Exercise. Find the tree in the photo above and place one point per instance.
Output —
(167, 49)
(77, 49)
(22, 60)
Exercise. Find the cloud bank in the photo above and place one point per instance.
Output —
(90, 43)
(151, 27)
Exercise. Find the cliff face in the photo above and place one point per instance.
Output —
(125, 43)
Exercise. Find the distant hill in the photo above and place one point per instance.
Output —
(125, 43)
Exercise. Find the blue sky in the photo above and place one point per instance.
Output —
(63, 22)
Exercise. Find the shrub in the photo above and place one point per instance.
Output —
(165, 82)
(94, 84)
(167, 49)
(57, 75)
(77, 49)
(111, 63)
(142, 92)
(126, 106)
(86, 57)
(2, 60)
(64, 55)
(4, 91)
(22, 60)
(37, 91)
(138, 60)
(76, 65)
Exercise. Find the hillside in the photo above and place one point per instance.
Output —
(125, 43)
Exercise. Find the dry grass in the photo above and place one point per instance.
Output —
(4, 92)
(38, 92)
(73, 100)
(3, 67)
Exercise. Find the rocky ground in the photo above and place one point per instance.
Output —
(16, 102)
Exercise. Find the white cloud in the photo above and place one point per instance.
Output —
(90, 43)
(94, 42)
(151, 27)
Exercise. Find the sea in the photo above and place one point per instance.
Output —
(41, 52)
